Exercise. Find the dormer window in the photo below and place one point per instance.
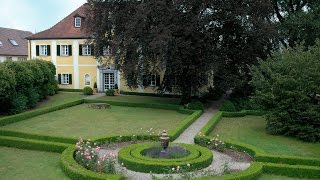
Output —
(13, 42)
(77, 22)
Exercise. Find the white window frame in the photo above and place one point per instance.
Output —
(153, 82)
(65, 78)
(43, 50)
(86, 50)
(107, 51)
(64, 50)
(77, 22)
(85, 80)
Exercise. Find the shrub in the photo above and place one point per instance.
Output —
(195, 105)
(87, 91)
(87, 156)
(95, 85)
(228, 106)
(214, 93)
(33, 97)
(216, 143)
(286, 85)
(7, 87)
(18, 104)
(110, 92)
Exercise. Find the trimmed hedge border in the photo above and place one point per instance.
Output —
(75, 171)
(150, 94)
(136, 164)
(70, 90)
(131, 104)
(300, 171)
(32, 144)
(137, 153)
(243, 113)
(286, 165)
(30, 135)
(22, 116)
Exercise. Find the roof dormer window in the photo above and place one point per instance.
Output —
(77, 22)
(13, 42)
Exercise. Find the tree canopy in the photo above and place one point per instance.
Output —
(187, 40)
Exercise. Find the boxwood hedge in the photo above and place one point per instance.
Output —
(142, 165)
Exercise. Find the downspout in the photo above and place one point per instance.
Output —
(29, 48)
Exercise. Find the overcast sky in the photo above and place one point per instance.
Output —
(35, 15)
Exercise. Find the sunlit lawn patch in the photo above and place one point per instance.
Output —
(251, 130)
(88, 122)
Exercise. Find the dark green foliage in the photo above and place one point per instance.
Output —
(71, 90)
(243, 103)
(149, 94)
(195, 105)
(87, 91)
(110, 92)
(298, 21)
(214, 93)
(30, 82)
(227, 106)
(180, 39)
(286, 85)
(95, 85)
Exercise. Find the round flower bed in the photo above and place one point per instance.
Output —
(132, 158)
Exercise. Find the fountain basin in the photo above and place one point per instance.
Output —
(134, 158)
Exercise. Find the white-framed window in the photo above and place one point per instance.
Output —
(43, 50)
(64, 50)
(77, 22)
(8, 58)
(22, 58)
(86, 50)
(65, 79)
(153, 80)
(87, 80)
(1, 44)
(107, 51)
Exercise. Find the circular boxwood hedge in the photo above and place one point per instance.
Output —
(131, 157)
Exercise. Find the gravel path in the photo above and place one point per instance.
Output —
(95, 96)
(221, 162)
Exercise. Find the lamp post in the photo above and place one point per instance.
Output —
(164, 139)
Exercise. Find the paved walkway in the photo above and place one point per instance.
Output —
(220, 163)
(95, 96)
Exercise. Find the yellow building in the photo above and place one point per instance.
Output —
(65, 46)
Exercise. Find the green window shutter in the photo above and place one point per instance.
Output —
(59, 78)
(92, 49)
(70, 50)
(80, 49)
(157, 80)
(70, 78)
(48, 50)
(58, 50)
(37, 50)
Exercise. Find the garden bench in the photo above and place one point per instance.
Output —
(99, 105)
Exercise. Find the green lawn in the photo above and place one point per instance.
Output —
(251, 130)
(87, 122)
(60, 98)
(276, 177)
(142, 99)
(28, 164)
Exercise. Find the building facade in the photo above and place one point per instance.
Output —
(66, 46)
(13, 45)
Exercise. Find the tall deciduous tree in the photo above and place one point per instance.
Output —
(299, 21)
(187, 40)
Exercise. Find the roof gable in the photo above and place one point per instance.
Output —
(65, 29)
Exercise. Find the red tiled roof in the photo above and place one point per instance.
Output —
(65, 28)
(19, 36)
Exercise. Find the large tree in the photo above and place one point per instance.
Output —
(298, 21)
(187, 40)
